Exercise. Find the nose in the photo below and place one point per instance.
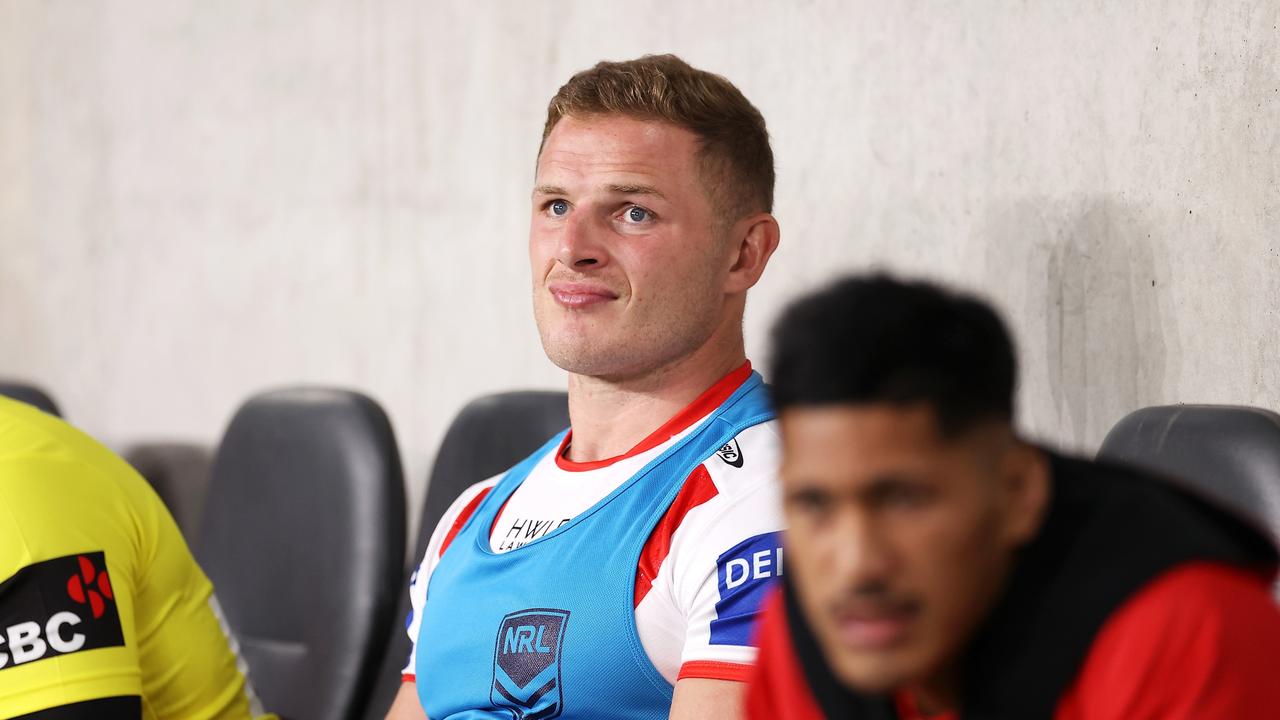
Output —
(580, 246)
(861, 557)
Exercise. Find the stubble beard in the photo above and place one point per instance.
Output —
(626, 348)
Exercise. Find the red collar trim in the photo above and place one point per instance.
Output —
(707, 402)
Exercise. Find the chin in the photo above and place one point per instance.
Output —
(585, 358)
(871, 675)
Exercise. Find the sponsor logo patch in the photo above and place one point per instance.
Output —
(526, 663)
(746, 571)
(58, 607)
(731, 453)
(523, 531)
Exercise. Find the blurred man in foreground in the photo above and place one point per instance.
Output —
(616, 573)
(104, 614)
(939, 566)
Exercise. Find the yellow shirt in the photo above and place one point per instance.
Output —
(99, 595)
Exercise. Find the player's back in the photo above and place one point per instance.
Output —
(99, 595)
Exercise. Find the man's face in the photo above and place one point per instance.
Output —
(629, 258)
(899, 539)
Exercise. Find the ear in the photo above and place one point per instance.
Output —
(1027, 484)
(755, 238)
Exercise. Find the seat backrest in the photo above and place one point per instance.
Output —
(179, 473)
(489, 435)
(29, 394)
(1227, 453)
(303, 535)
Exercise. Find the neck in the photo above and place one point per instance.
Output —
(611, 416)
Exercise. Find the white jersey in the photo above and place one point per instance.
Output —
(716, 541)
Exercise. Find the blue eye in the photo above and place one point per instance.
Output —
(559, 208)
(637, 214)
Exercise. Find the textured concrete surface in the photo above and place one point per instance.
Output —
(198, 200)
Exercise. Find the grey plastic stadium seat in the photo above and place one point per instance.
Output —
(30, 394)
(488, 436)
(1227, 453)
(303, 535)
(179, 473)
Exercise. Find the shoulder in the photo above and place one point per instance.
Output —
(1221, 590)
(54, 477)
(65, 525)
(728, 511)
(1195, 604)
(747, 465)
(456, 516)
(35, 444)
(469, 498)
(733, 491)
(1198, 636)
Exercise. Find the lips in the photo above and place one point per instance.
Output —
(874, 628)
(581, 295)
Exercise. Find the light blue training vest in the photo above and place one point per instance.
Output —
(548, 630)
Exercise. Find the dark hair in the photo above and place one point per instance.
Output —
(875, 339)
(737, 162)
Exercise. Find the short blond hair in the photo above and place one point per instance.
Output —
(737, 161)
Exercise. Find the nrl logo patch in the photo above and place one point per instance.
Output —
(526, 663)
(731, 453)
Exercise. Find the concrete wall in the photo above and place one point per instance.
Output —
(199, 200)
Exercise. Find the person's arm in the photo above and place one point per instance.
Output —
(119, 617)
(703, 699)
(186, 653)
(406, 705)
(66, 583)
(723, 558)
(1200, 641)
